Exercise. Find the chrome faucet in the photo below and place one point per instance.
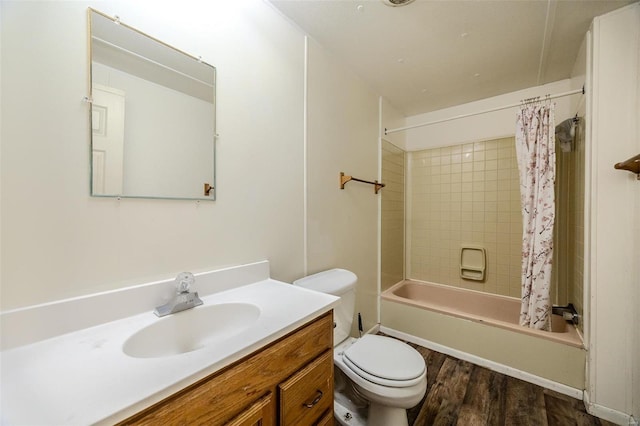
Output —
(184, 298)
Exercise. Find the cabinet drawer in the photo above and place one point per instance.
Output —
(306, 395)
(260, 413)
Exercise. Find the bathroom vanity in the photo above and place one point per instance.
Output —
(289, 382)
(257, 351)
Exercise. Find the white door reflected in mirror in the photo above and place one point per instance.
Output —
(107, 120)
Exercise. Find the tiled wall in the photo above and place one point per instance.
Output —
(466, 194)
(469, 194)
(568, 255)
(393, 174)
(562, 246)
(576, 222)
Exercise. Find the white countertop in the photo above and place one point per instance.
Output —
(83, 377)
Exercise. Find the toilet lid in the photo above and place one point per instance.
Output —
(385, 361)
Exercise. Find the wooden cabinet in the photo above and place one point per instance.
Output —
(289, 382)
(306, 395)
(260, 413)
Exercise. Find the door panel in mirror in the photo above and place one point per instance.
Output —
(152, 116)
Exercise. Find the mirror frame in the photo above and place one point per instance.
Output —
(212, 188)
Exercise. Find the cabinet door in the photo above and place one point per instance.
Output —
(260, 413)
(308, 394)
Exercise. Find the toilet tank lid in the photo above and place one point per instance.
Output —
(333, 281)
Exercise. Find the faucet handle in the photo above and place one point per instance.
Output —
(184, 280)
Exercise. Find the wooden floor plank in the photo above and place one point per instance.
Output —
(460, 393)
(436, 393)
(485, 398)
(563, 410)
(446, 395)
(475, 408)
(433, 361)
(498, 408)
(606, 423)
(524, 404)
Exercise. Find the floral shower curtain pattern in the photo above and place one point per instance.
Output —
(535, 148)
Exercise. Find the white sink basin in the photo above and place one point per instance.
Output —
(191, 330)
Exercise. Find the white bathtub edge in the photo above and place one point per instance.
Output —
(492, 365)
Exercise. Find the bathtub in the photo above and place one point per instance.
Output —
(483, 326)
(490, 309)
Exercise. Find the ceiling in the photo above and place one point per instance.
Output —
(432, 54)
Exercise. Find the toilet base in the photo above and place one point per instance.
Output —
(346, 416)
(349, 408)
(348, 413)
(381, 415)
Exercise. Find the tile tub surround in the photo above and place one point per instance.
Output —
(83, 377)
(466, 194)
(392, 212)
(470, 194)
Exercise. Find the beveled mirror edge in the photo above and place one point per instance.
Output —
(89, 97)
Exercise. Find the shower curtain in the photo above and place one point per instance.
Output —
(535, 148)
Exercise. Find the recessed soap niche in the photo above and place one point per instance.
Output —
(473, 262)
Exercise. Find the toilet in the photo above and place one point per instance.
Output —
(382, 373)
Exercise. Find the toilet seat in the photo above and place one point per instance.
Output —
(385, 361)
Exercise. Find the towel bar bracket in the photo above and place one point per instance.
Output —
(632, 165)
(377, 186)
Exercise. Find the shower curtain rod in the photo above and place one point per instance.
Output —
(559, 95)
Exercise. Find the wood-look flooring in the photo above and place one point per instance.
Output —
(464, 394)
(460, 393)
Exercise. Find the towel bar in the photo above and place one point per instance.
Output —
(346, 178)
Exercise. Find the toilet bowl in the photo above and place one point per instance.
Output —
(388, 374)
(390, 386)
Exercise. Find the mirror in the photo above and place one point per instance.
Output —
(152, 116)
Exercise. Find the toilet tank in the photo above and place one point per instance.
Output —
(341, 283)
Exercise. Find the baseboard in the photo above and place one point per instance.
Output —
(374, 329)
(491, 365)
(613, 416)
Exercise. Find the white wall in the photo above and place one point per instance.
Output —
(391, 118)
(59, 242)
(342, 137)
(578, 79)
(614, 359)
(494, 125)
